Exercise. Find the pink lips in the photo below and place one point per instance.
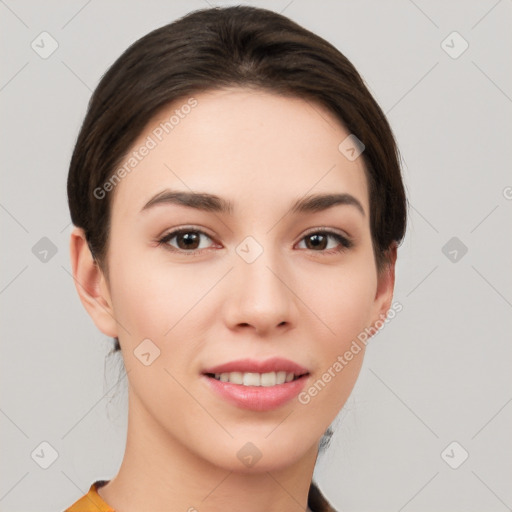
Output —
(276, 364)
(257, 398)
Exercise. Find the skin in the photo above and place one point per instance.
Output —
(261, 151)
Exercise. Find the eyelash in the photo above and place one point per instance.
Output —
(345, 243)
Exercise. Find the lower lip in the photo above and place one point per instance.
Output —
(257, 398)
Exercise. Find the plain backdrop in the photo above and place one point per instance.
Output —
(427, 427)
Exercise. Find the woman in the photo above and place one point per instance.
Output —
(237, 201)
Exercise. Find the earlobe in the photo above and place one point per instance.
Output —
(91, 284)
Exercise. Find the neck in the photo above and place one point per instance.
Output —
(160, 473)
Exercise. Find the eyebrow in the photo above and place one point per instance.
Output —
(213, 203)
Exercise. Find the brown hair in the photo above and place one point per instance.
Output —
(224, 47)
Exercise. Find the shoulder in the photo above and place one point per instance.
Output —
(316, 500)
(91, 501)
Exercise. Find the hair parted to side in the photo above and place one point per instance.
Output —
(222, 47)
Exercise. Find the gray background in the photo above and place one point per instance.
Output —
(438, 373)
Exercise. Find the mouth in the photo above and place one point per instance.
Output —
(256, 379)
(257, 385)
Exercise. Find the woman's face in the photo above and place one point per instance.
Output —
(254, 282)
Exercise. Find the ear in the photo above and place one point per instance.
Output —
(385, 285)
(91, 284)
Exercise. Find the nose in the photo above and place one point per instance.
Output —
(261, 296)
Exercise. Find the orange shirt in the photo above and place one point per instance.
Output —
(92, 501)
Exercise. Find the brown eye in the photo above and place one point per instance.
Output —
(316, 241)
(319, 242)
(187, 240)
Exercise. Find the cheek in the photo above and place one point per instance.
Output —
(344, 302)
(343, 299)
(165, 303)
(151, 301)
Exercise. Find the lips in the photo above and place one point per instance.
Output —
(257, 385)
(276, 364)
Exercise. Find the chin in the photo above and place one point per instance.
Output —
(252, 454)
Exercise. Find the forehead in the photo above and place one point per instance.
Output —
(248, 145)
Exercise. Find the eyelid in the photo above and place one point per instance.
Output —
(326, 229)
(177, 230)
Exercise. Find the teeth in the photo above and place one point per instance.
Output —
(236, 377)
(256, 379)
(251, 379)
(268, 379)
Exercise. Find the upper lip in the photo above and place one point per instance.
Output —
(274, 364)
